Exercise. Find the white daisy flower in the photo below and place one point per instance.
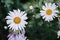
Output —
(31, 7)
(16, 19)
(49, 11)
(20, 36)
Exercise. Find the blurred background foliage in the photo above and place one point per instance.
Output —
(37, 28)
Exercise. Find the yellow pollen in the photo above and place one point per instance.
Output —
(48, 11)
(17, 20)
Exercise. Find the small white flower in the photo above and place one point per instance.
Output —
(58, 33)
(16, 19)
(5, 27)
(49, 11)
(30, 7)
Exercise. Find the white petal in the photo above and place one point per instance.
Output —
(49, 5)
(11, 14)
(56, 11)
(20, 27)
(44, 17)
(44, 8)
(9, 21)
(22, 13)
(8, 17)
(46, 4)
(24, 18)
(11, 25)
(53, 6)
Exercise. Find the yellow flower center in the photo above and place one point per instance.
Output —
(48, 11)
(17, 20)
